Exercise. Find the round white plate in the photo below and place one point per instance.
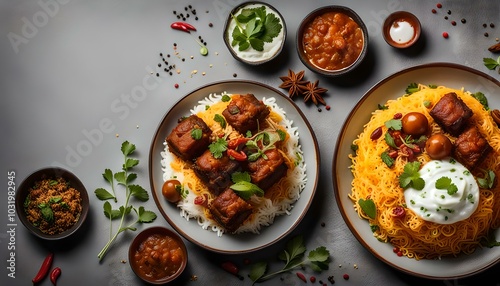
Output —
(240, 243)
(450, 75)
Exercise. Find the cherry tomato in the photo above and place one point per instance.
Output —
(438, 146)
(170, 192)
(415, 123)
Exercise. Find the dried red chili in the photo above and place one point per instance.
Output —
(183, 26)
(54, 274)
(44, 268)
(301, 276)
(231, 268)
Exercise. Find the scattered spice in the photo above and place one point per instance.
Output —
(434, 11)
(439, 5)
(312, 279)
(293, 82)
(235, 75)
(445, 35)
(176, 85)
(463, 21)
(345, 276)
(495, 48)
(313, 92)
(331, 280)
(453, 23)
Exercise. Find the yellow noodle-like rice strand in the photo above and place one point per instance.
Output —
(413, 236)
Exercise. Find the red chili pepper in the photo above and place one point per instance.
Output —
(231, 268)
(234, 143)
(183, 26)
(44, 268)
(179, 26)
(56, 272)
(301, 276)
(238, 156)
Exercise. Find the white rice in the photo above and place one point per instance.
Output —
(266, 211)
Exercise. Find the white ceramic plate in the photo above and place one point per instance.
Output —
(451, 75)
(282, 225)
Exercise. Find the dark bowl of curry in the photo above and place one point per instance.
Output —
(332, 40)
(158, 255)
(52, 203)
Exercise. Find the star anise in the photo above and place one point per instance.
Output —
(313, 92)
(293, 82)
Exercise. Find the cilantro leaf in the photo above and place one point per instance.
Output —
(445, 183)
(254, 27)
(127, 148)
(272, 28)
(108, 175)
(103, 194)
(129, 163)
(411, 177)
(144, 215)
(368, 207)
(490, 63)
(139, 192)
(257, 271)
(394, 124)
(109, 212)
(218, 147)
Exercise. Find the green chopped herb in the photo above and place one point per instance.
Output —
(445, 183)
(412, 87)
(482, 99)
(218, 147)
(196, 133)
(221, 120)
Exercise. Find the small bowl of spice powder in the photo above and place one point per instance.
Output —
(52, 203)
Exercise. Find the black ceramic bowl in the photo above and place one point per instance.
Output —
(251, 56)
(161, 233)
(51, 173)
(302, 46)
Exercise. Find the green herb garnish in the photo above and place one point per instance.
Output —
(243, 187)
(47, 213)
(482, 99)
(196, 133)
(293, 256)
(488, 181)
(412, 87)
(123, 178)
(368, 207)
(254, 27)
(388, 160)
(218, 147)
(491, 64)
(221, 120)
(411, 177)
(445, 183)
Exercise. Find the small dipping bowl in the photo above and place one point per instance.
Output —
(55, 202)
(158, 255)
(401, 29)
(332, 40)
(251, 56)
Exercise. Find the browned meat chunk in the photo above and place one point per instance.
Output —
(471, 147)
(244, 112)
(229, 210)
(215, 173)
(266, 172)
(451, 113)
(184, 143)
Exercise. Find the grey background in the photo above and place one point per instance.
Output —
(68, 67)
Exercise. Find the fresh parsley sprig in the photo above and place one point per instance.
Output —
(293, 256)
(254, 27)
(125, 179)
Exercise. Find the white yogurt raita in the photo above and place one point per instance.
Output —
(402, 32)
(441, 205)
